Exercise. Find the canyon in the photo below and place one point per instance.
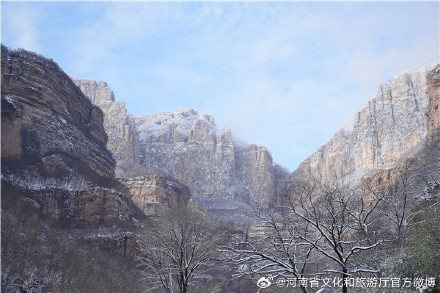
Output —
(221, 171)
(76, 164)
(82, 156)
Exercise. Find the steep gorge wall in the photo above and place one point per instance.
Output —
(189, 147)
(434, 99)
(119, 125)
(393, 126)
(149, 189)
(53, 143)
(154, 191)
(46, 119)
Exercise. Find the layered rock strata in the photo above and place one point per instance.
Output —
(47, 120)
(90, 207)
(392, 126)
(434, 98)
(53, 143)
(154, 192)
(119, 125)
(189, 147)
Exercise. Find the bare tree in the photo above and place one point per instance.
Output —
(336, 227)
(177, 249)
(339, 221)
(405, 198)
(275, 251)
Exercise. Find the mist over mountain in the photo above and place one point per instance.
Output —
(393, 126)
(219, 168)
(77, 165)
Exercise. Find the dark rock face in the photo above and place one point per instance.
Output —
(81, 208)
(119, 125)
(90, 207)
(434, 98)
(48, 122)
(124, 244)
(54, 144)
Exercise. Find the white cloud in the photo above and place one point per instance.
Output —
(285, 75)
(21, 21)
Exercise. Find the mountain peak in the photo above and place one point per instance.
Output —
(391, 125)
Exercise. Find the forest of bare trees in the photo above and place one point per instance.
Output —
(345, 233)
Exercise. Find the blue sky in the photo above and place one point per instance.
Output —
(285, 75)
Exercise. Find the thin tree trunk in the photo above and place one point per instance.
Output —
(304, 289)
(344, 283)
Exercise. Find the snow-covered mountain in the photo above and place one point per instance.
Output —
(190, 147)
(392, 127)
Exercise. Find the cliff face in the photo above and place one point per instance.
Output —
(392, 127)
(124, 245)
(93, 206)
(46, 120)
(154, 191)
(434, 98)
(209, 160)
(255, 170)
(189, 147)
(119, 125)
(54, 144)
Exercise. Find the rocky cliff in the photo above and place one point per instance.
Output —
(154, 191)
(393, 126)
(46, 120)
(119, 125)
(434, 98)
(53, 143)
(209, 160)
(151, 190)
(67, 225)
(189, 147)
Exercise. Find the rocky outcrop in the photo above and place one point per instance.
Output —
(151, 190)
(53, 143)
(254, 175)
(282, 184)
(99, 93)
(189, 147)
(434, 98)
(90, 207)
(46, 120)
(392, 126)
(154, 191)
(209, 160)
(119, 125)
(122, 244)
